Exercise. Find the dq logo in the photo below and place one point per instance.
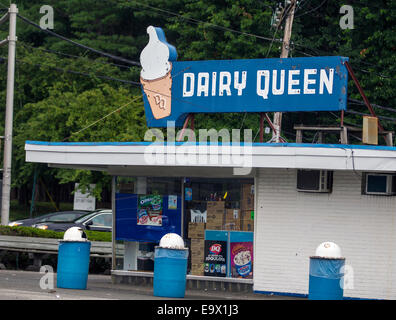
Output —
(161, 102)
(215, 249)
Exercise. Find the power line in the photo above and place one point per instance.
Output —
(197, 21)
(102, 118)
(313, 10)
(108, 55)
(134, 83)
(374, 105)
(72, 56)
(389, 119)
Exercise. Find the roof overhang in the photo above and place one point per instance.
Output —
(191, 159)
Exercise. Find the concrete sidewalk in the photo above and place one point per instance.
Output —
(25, 285)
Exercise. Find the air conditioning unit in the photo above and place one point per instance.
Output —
(314, 180)
(380, 184)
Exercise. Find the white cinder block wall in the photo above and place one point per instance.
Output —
(289, 225)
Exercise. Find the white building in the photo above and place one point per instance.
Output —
(356, 208)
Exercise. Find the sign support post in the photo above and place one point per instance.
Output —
(284, 54)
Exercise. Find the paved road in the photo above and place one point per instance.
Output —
(25, 285)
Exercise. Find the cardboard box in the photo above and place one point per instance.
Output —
(213, 216)
(197, 251)
(215, 205)
(196, 230)
(197, 248)
(197, 244)
(247, 223)
(232, 219)
(247, 190)
(197, 269)
(247, 197)
(232, 214)
(214, 220)
(195, 258)
(232, 225)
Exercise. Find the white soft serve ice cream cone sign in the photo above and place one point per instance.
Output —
(156, 60)
(173, 89)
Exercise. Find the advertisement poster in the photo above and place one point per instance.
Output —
(241, 259)
(172, 202)
(149, 211)
(188, 194)
(215, 258)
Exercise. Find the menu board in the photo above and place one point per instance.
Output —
(215, 263)
(149, 211)
(241, 259)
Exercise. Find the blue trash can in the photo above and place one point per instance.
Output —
(325, 276)
(170, 271)
(73, 264)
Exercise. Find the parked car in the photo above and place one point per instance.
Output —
(99, 220)
(65, 216)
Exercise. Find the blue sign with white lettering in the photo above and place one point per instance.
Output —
(173, 89)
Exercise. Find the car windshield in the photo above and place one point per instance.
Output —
(86, 217)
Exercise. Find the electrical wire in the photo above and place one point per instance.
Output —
(70, 55)
(134, 83)
(197, 21)
(283, 14)
(374, 105)
(389, 119)
(188, 19)
(108, 55)
(102, 118)
(313, 10)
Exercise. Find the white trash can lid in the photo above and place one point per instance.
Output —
(75, 234)
(328, 250)
(172, 241)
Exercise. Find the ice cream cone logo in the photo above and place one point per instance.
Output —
(155, 76)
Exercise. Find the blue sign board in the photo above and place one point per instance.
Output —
(127, 224)
(251, 85)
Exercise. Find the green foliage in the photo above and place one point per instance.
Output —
(34, 232)
(61, 95)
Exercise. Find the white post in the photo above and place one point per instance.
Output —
(5, 204)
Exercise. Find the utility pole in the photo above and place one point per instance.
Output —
(284, 54)
(11, 40)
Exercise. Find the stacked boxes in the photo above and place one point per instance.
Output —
(196, 230)
(214, 215)
(196, 233)
(247, 197)
(232, 219)
(247, 207)
(197, 256)
(247, 221)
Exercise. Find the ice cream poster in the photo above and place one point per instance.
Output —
(173, 89)
(241, 259)
(215, 263)
(149, 210)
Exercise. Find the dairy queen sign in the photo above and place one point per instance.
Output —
(173, 89)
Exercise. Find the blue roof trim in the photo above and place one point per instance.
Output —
(290, 145)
